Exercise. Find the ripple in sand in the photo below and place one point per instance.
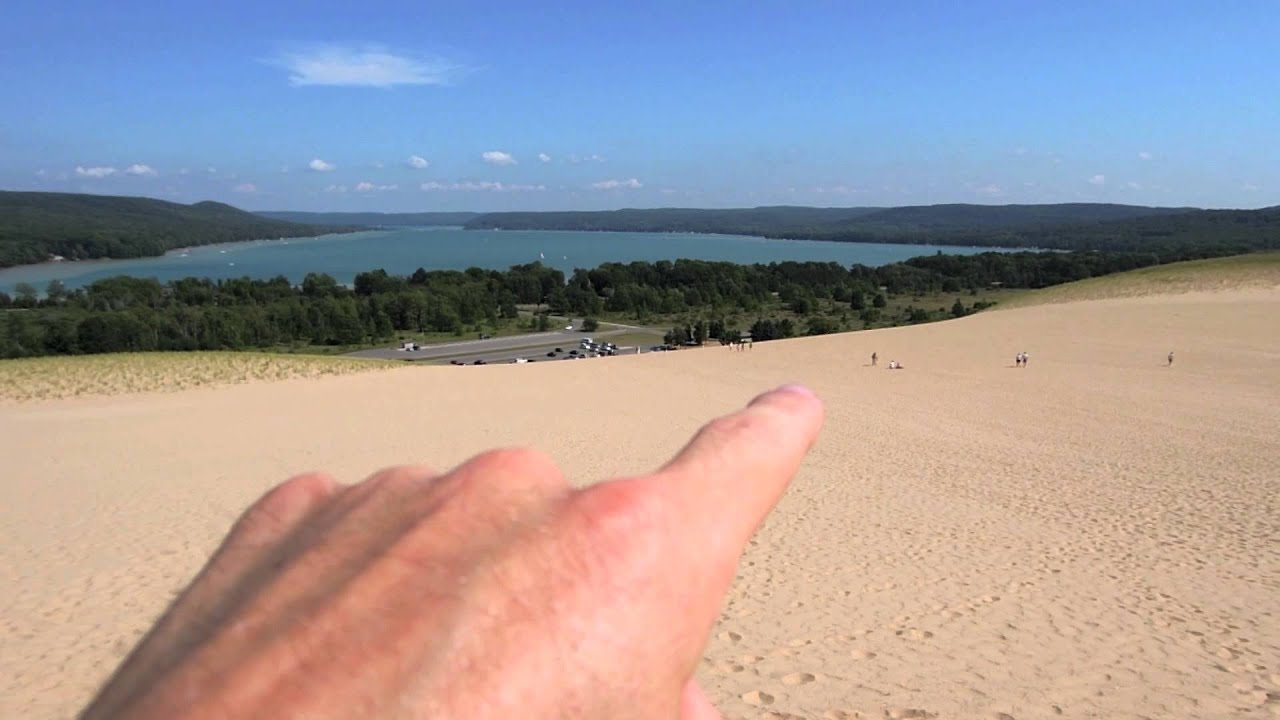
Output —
(757, 697)
(800, 678)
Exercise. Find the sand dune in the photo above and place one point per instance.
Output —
(1093, 536)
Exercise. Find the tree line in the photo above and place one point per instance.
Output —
(1071, 226)
(35, 226)
(135, 314)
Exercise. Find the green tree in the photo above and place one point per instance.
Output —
(879, 300)
(590, 324)
(25, 295)
(958, 309)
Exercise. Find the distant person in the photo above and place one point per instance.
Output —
(1170, 358)
(454, 593)
(1025, 358)
(1017, 360)
(873, 359)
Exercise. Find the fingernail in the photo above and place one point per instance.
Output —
(788, 388)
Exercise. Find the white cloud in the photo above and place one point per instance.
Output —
(629, 184)
(1098, 180)
(369, 66)
(1133, 185)
(1144, 155)
(245, 188)
(140, 170)
(319, 165)
(544, 157)
(366, 186)
(336, 189)
(596, 158)
(42, 173)
(95, 172)
(1249, 187)
(484, 185)
(418, 163)
(497, 157)
(989, 189)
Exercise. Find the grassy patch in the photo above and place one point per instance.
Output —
(49, 378)
(1217, 274)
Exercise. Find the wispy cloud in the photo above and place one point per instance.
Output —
(1133, 185)
(990, 190)
(543, 157)
(1098, 180)
(245, 188)
(140, 170)
(1144, 155)
(319, 165)
(482, 186)
(629, 184)
(96, 173)
(418, 162)
(336, 189)
(367, 187)
(1249, 187)
(497, 157)
(363, 66)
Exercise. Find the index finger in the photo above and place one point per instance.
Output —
(720, 487)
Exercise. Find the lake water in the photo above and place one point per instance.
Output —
(403, 250)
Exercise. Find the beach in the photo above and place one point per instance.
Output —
(1092, 536)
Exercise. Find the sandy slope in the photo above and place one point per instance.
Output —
(1095, 536)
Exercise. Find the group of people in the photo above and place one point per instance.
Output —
(1021, 359)
(893, 364)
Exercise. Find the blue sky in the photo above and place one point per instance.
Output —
(411, 106)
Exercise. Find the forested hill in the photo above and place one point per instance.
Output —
(1078, 226)
(35, 226)
(373, 219)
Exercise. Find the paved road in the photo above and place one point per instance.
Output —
(532, 345)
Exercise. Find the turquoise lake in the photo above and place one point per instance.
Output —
(403, 250)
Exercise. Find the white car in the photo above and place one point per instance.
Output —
(568, 327)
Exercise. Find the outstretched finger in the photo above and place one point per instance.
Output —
(720, 487)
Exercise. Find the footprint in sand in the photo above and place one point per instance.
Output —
(758, 698)
(800, 678)
(907, 713)
(862, 654)
(732, 637)
(750, 659)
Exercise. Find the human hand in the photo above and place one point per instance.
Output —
(492, 591)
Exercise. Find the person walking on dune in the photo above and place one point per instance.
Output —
(875, 357)
(1170, 358)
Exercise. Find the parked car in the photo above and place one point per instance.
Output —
(559, 350)
(455, 362)
(551, 354)
(479, 362)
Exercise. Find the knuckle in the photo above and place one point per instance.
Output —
(286, 501)
(399, 480)
(617, 530)
(529, 467)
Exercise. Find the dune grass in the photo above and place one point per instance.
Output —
(1260, 270)
(49, 378)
